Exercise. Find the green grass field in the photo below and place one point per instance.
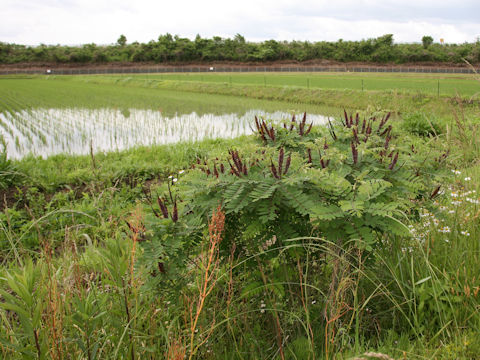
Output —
(354, 241)
(432, 84)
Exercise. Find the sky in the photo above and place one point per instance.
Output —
(74, 22)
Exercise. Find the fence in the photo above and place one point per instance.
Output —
(197, 69)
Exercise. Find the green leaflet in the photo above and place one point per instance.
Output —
(326, 212)
(352, 207)
(370, 189)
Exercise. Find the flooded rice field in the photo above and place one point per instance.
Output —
(45, 132)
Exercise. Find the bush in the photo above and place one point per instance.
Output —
(421, 124)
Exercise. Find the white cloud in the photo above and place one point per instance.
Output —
(102, 21)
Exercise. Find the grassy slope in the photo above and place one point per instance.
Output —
(431, 84)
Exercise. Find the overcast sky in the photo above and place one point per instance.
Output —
(74, 22)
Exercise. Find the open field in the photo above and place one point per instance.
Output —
(432, 84)
(291, 242)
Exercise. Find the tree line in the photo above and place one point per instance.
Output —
(176, 49)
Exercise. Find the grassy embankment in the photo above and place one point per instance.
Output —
(86, 295)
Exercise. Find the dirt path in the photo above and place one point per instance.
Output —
(309, 66)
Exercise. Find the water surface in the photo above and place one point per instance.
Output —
(45, 132)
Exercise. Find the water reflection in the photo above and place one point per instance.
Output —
(47, 132)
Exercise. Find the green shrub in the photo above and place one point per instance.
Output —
(421, 124)
(350, 186)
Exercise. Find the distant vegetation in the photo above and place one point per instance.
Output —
(175, 49)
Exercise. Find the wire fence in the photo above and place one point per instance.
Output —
(211, 69)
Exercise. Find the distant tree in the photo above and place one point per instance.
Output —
(239, 39)
(427, 41)
(122, 40)
(385, 40)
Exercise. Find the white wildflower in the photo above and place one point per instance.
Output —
(456, 172)
(468, 178)
(466, 233)
(444, 229)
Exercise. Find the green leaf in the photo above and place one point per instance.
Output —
(354, 208)
(326, 212)
(371, 189)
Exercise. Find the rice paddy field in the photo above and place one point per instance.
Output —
(204, 216)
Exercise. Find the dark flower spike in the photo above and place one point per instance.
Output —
(364, 123)
(394, 161)
(280, 160)
(357, 119)
(161, 267)
(222, 168)
(302, 124)
(383, 122)
(325, 145)
(346, 118)
(233, 169)
(274, 170)
(272, 133)
(215, 171)
(257, 124)
(386, 131)
(175, 211)
(309, 129)
(387, 140)
(309, 152)
(355, 136)
(435, 192)
(293, 123)
(163, 207)
(354, 152)
(287, 164)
